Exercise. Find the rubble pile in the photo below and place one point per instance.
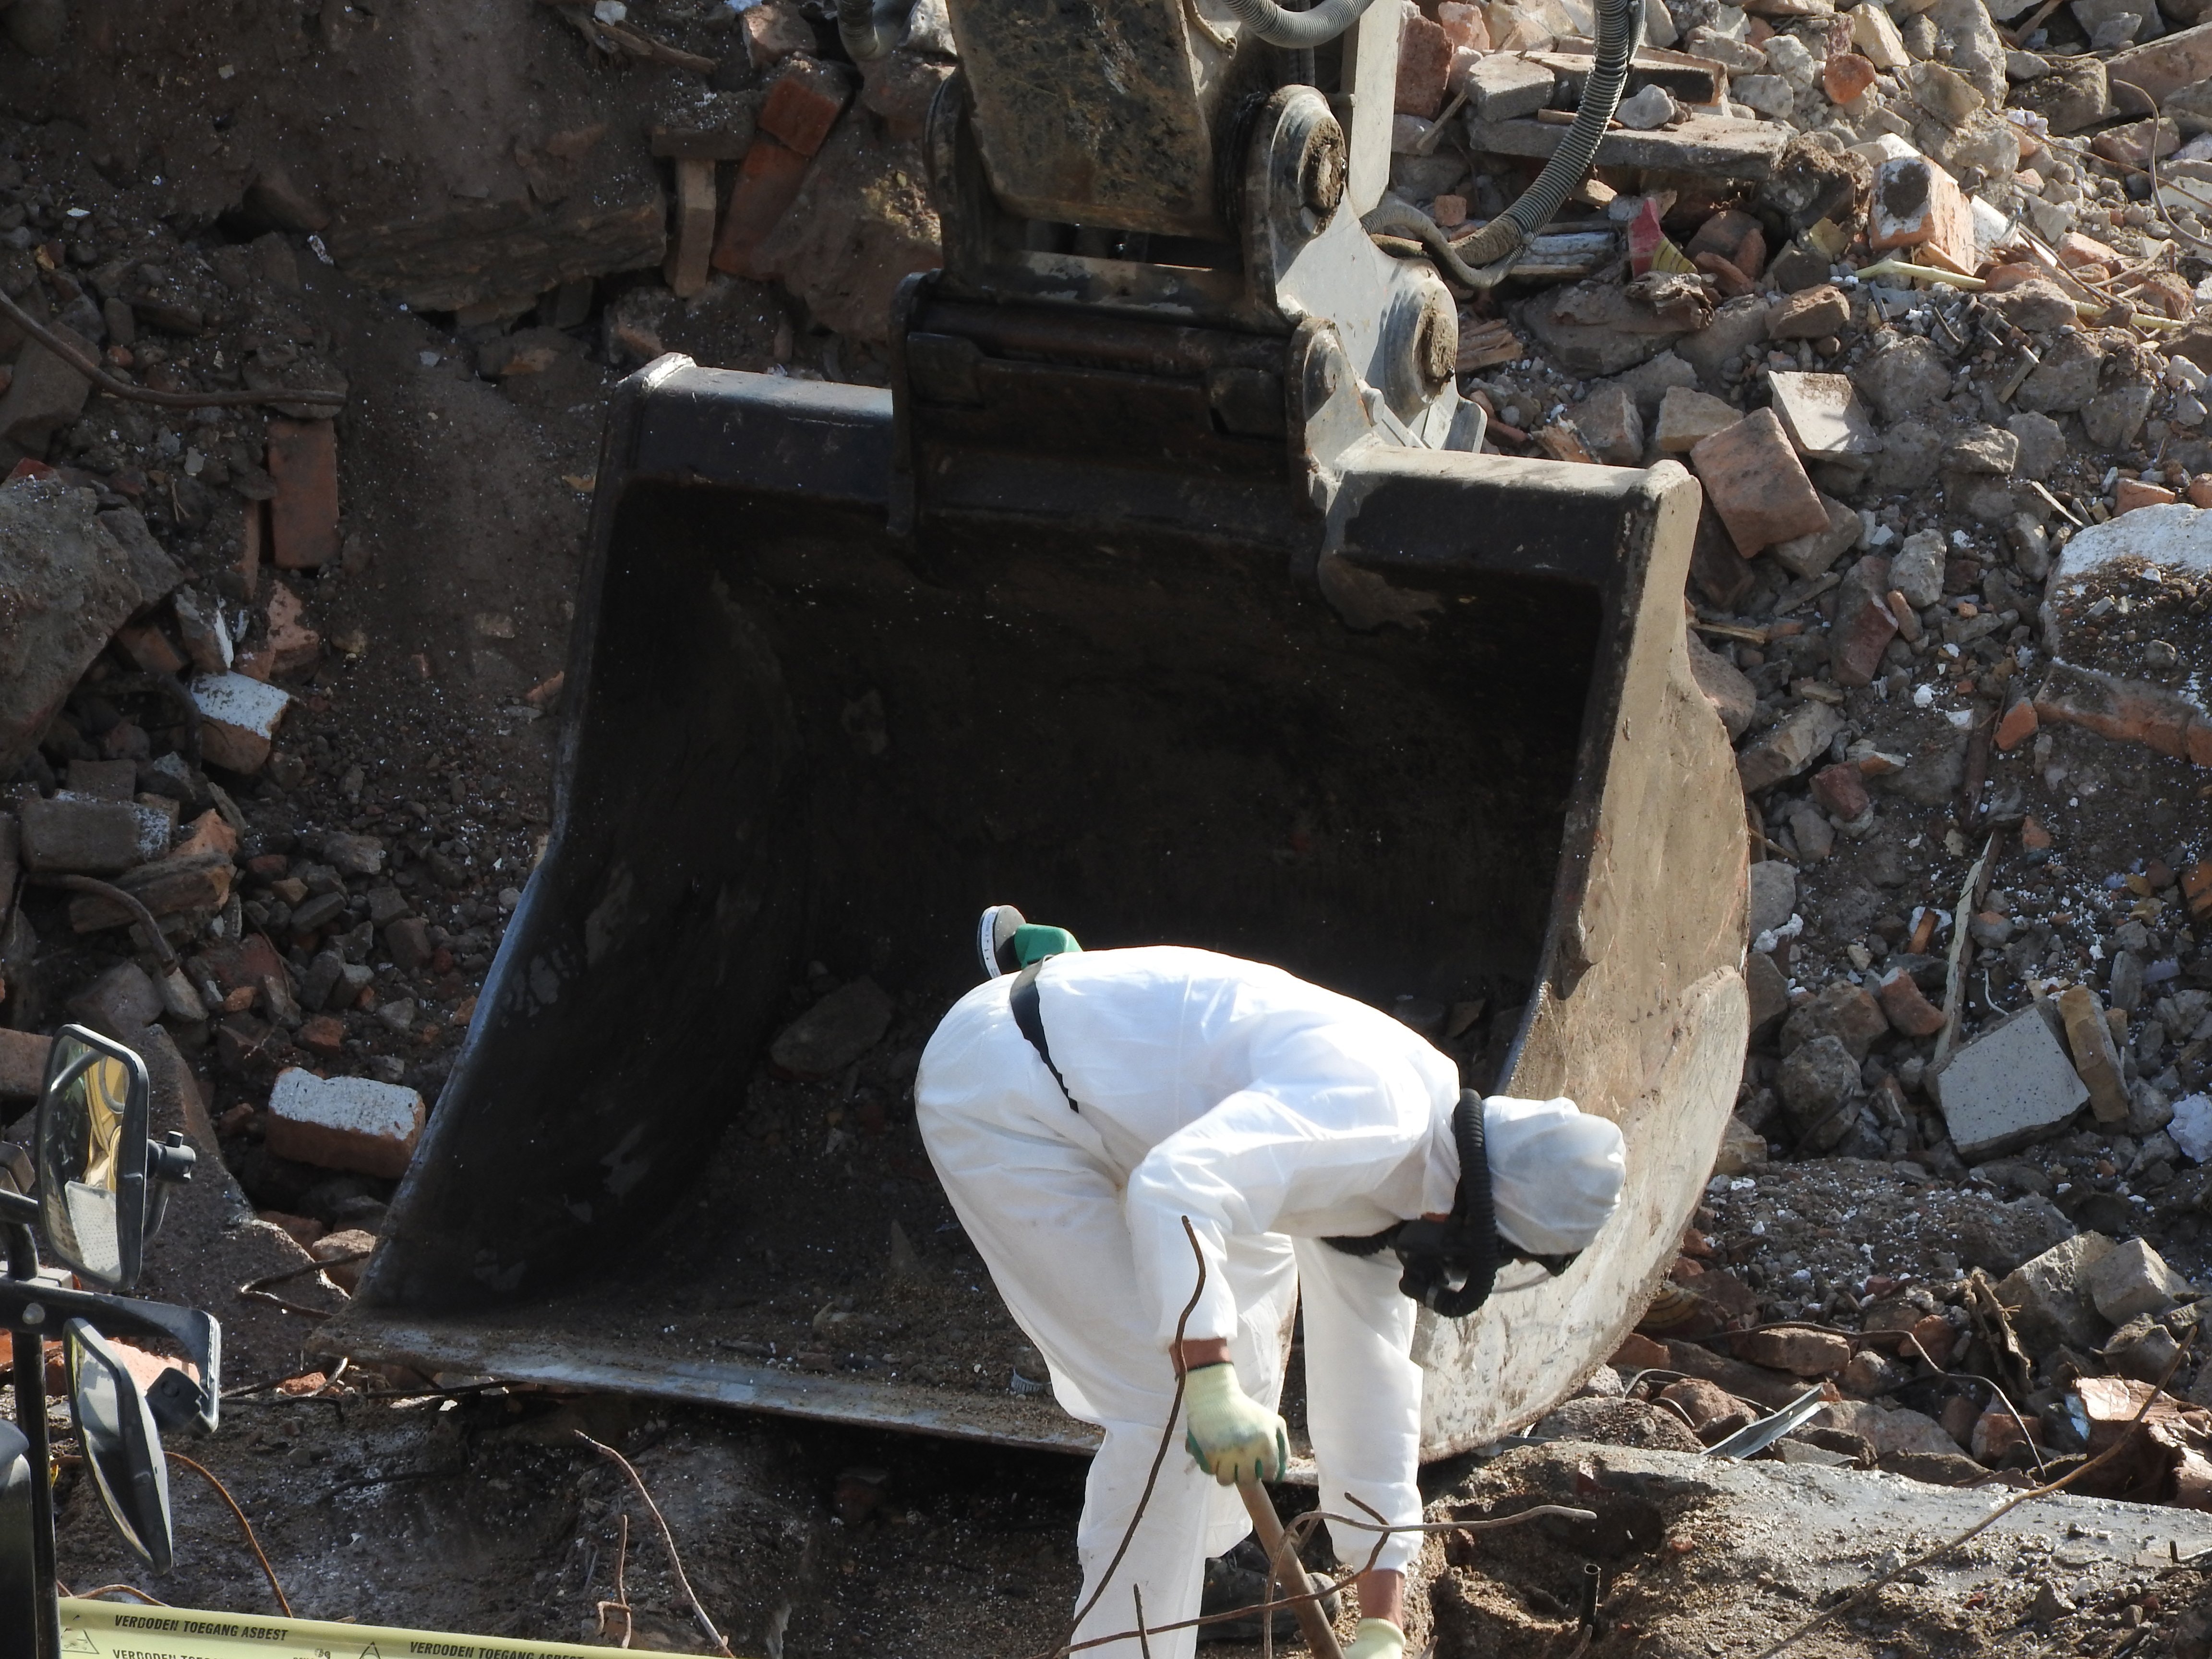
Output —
(1914, 290)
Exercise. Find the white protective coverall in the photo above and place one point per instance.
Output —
(1274, 1114)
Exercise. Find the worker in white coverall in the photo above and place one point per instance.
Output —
(1274, 1116)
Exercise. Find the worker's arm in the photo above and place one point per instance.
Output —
(1332, 1120)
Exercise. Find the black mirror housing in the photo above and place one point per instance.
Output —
(122, 1446)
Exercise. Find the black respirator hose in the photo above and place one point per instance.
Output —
(1620, 23)
(865, 39)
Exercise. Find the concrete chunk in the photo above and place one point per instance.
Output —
(2009, 1086)
(2162, 67)
(2047, 1298)
(1711, 146)
(1788, 747)
(1823, 417)
(122, 1002)
(1687, 418)
(2133, 1279)
(1502, 86)
(66, 583)
(835, 1032)
(344, 1122)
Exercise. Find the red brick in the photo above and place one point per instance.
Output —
(1735, 236)
(293, 647)
(149, 648)
(1936, 1339)
(1911, 1014)
(1804, 1353)
(303, 461)
(1841, 789)
(2018, 725)
(1917, 204)
(2200, 490)
(210, 832)
(2197, 888)
(1757, 484)
(344, 1123)
(253, 540)
(304, 1230)
(768, 184)
(23, 1064)
(2075, 250)
(1639, 1353)
(1864, 625)
(1732, 282)
(241, 966)
(323, 1035)
(1845, 75)
(1425, 61)
(1812, 314)
(693, 244)
(804, 102)
(2132, 493)
(2034, 837)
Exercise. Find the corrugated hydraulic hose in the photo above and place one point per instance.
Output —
(865, 39)
(1301, 30)
(1508, 233)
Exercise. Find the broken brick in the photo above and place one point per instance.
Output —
(323, 1034)
(768, 183)
(149, 648)
(1425, 61)
(66, 835)
(303, 462)
(1800, 1353)
(2132, 493)
(1845, 75)
(693, 246)
(804, 102)
(1864, 625)
(1757, 484)
(23, 1064)
(2096, 1056)
(2018, 725)
(344, 1123)
(1735, 236)
(172, 886)
(1910, 1012)
(1917, 204)
(1841, 789)
(1811, 314)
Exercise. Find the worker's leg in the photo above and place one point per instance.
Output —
(1047, 1218)
(1362, 1397)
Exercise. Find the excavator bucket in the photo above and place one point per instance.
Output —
(850, 665)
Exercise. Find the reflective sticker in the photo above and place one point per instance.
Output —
(118, 1630)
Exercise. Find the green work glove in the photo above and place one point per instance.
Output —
(1231, 1436)
(1375, 1638)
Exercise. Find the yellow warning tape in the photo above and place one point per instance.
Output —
(116, 1630)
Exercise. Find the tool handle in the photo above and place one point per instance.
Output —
(1321, 1637)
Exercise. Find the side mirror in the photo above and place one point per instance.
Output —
(92, 1157)
(121, 1448)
